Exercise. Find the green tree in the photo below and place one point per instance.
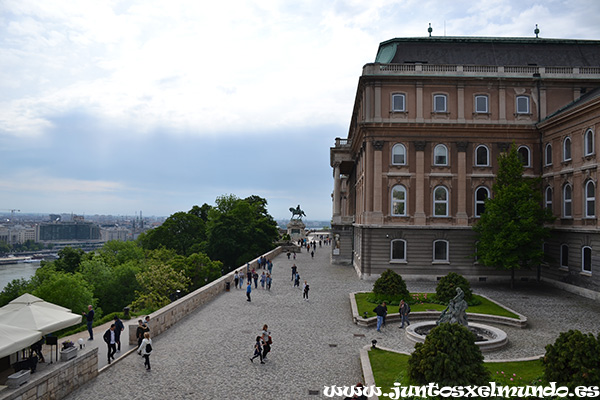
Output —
(511, 231)
(69, 259)
(122, 287)
(116, 252)
(182, 232)
(68, 290)
(390, 287)
(4, 248)
(446, 287)
(201, 270)
(14, 289)
(158, 283)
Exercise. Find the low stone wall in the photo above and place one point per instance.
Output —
(56, 384)
(166, 317)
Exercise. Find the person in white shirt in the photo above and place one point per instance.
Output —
(145, 349)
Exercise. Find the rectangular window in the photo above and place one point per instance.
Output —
(564, 256)
(439, 103)
(398, 250)
(522, 105)
(398, 102)
(440, 250)
(481, 104)
(586, 259)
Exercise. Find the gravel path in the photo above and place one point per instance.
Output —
(315, 343)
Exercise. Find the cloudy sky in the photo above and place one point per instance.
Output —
(112, 107)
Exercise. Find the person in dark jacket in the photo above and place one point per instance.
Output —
(90, 321)
(381, 311)
(110, 339)
(119, 327)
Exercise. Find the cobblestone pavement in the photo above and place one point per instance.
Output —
(315, 343)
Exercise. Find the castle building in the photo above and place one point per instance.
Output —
(430, 118)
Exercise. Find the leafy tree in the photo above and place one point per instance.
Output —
(201, 212)
(448, 357)
(158, 282)
(13, 289)
(69, 259)
(99, 276)
(4, 248)
(573, 360)
(116, 252)
(446, 287)
(511, 231)
(201, 270)
(67, 290)
(122, 287)
(390, 287)
(180, 232)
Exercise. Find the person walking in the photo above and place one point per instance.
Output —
(241, 276)
(248, 291)
(381, 311)
(257, 351)
(145, 350)
(312, 254)
(110, 339)
(266, 340)
(297, 280)
(305, 290)
(270, 267)
(263, 279)
(236, 279)
(90, 321)
(255, 277)
(141, 329)
(404, 310)
(269, 280)
(119, 327)
(294, 269)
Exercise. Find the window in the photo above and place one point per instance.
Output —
(586, 259)
(590, 199)
(398, 250)
(440, 155)
(522, 104)
(564, 256)
(399, 154)
(482, 158)
(548, 154)
(481, 104)
(567, 149)
(567, 199)
(440, 251)
(398, 102)
(439, 103)
(399, 200)
(524, 155)
(548, 198)
(589, 142)
(481, 194)
(440, 202)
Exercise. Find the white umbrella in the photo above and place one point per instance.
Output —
(13, 339)
(33, 313)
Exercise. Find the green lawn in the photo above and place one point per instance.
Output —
(486, 307)
(389, 367)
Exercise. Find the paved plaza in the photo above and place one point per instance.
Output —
(315, 343)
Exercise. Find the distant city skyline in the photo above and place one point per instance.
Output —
(112, 108)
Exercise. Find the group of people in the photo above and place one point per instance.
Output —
(381, 312)
(296, 280)
(262, 346)
(112, 337)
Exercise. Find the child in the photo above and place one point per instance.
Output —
(257, 350)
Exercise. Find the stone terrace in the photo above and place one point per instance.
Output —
(315, 343)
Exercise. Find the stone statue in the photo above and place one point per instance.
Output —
(456, 312)
(297, 212)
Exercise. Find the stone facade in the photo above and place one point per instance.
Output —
(426, 130)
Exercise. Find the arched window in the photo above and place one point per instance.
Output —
(567, 200)
(399, 200)
(590, 199)
(481, 104)
(482, 156)
(481, 194)
(589, 142)
(398, 250)
(440, 155)
(440, 201)
(399, 102)
(548, 154)
(522, 104)
(524, 155)
(440, 251)
(567, 149)
(548, 198)
(439, 103)
(564, 256)
(399, 154)
(586, 259)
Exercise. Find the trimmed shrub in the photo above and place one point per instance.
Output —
(390, 287)
(573, 360)
(449, 356)
(446, 288)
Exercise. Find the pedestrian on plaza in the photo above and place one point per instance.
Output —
(257, 350)
(236, 279)
(381, 311)
(241, 276)
(320, 242)
(145, 350)
(269, 281)
(263, 279)
(141, 329)
(289, 254)
(305, 290)
(119, 327)
(297, 280)
(294, 269)
(266, 340)
(248, 290)
(294, 254)
(90, 321)
(255, 277)
(147, 321)
(249, 273)
(404, 310)
(110, 339)
(270, 266)
(312, 254)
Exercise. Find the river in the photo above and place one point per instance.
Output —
(8, 272)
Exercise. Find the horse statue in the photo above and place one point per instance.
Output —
(297, 212)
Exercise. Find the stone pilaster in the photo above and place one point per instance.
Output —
(419, 218)
(461, 210)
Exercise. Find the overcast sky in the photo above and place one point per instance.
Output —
(112, 107)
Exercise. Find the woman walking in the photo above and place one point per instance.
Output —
(305, 291)
(266, 339)
(145, 349)
(257, 351)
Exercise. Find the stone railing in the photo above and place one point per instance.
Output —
(166, 317)
(64, 378)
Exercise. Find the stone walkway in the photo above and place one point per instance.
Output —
(315, 343)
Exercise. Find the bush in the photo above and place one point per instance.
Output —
(390, 287)
(449, 356)
(446, 288)
(573, 360)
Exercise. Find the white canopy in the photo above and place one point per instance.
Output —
(13, 339)
(30, 312)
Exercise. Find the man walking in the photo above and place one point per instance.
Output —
(90, 321)
(381, 311)
(404, 311)
(119, 327)
(248, 290)
(110, 339)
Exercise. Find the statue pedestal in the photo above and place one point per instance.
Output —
(295, 228)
